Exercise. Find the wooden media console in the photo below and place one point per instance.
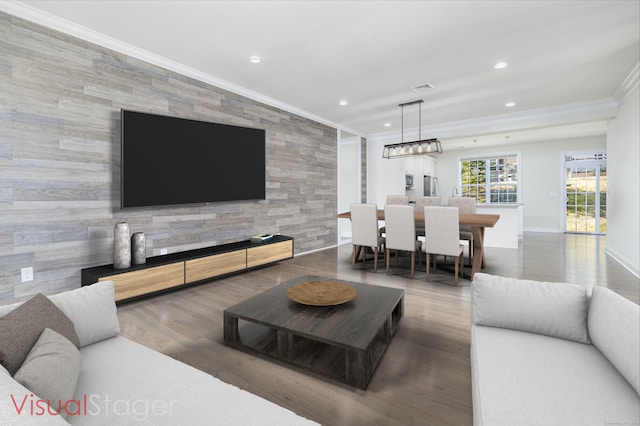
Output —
(189, 267)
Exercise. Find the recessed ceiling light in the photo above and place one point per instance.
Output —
(344, 103)
(500, 65)
(255, 59)
(510, 104)
(387, 124)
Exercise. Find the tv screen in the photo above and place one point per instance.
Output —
(169, 160)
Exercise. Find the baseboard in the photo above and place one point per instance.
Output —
(304, 253)
(543, 230)
(634, 269)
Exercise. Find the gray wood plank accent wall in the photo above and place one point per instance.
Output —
(60, 161)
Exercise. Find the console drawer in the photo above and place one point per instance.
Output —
(136, 283)
(268, 253)
(212, 266)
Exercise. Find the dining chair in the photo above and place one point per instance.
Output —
(421, 202)
(401, 233)
(427, 201)
(397, 199)
(364, 232)
(442, 236)
(465, 205)
(394, 199)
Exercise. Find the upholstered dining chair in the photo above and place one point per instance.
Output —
(427, 201)
(465, 205)
(394, 199)
(442, 236)
(364, 232)
(422, 201)
(401, 234)
(397, 199)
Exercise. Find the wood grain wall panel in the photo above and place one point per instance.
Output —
(60, 161)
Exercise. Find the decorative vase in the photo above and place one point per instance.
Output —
(138, 248)
(121, 246)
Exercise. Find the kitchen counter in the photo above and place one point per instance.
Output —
(508, 230)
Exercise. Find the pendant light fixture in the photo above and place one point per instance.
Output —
(419, 147)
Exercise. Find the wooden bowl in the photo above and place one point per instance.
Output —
(321, 293)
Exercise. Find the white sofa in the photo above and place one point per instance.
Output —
(550, 354)
(121, 382)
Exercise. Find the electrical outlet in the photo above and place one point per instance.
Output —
(163, 251)
(26, 274)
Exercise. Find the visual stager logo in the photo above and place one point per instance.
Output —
(92, 405)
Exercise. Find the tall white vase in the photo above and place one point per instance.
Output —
(121, 246)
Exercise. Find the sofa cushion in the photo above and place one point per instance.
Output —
(127, 383)
(92, 309)
(521, 378)
(21, 328)
(614, 327)
(15, 407)
(51, 369)
(552, 309)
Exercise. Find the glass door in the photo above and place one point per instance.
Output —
(586, 193)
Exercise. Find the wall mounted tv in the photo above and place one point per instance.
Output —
(170, 160)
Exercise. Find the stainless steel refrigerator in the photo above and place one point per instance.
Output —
(431, 186)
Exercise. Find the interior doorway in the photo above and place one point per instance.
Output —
(349, 181)
(586, 193)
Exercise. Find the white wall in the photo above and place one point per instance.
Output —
(623, 193)
(386, 177)
(541, 175)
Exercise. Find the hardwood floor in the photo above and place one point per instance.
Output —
(424, 377)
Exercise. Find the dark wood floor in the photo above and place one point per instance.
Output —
(424, 377)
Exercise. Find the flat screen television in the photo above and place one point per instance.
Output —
(170, 160)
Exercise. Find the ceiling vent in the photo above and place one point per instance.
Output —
(421, 87)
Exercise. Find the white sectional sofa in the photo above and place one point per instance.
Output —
(119, 382)
(550, 354)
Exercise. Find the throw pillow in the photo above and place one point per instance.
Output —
(552, 309)
(21, 328)
(51, 370)
(92, 309)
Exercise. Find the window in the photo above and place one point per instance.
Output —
(490, 180)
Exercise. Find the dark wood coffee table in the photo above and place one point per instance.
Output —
(344, 342)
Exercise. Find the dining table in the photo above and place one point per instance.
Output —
(476, 221)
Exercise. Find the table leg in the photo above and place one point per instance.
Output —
(356, 370)
(478, 249)
(284, 344)
(482, 233)
(231, 329)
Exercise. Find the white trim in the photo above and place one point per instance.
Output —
(542, 230)
(628, 85)
(623, 261)
(304, 253)
(596, 110)
(48, 20)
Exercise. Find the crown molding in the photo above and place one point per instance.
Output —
(37, 16)
(601, 109)
(628, 85)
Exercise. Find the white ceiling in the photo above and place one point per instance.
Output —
(566, 58)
